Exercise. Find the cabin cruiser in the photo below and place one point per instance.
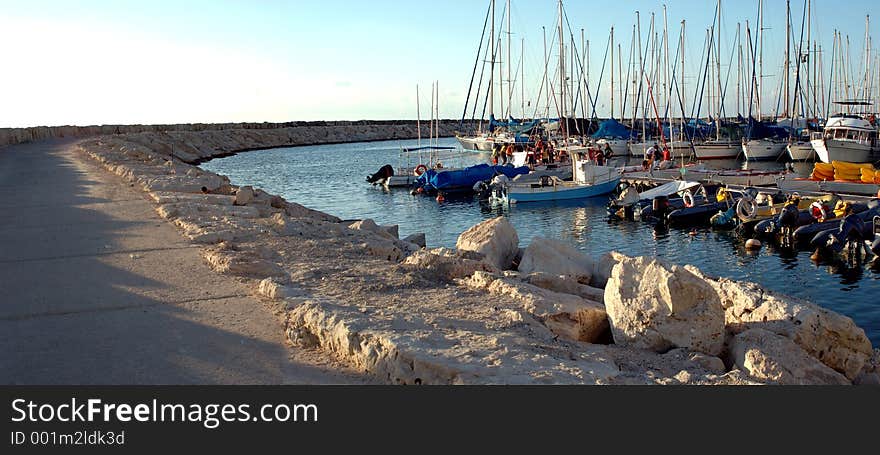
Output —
(849, 138)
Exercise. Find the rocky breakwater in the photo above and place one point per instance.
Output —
(272, 134)
(487, 311)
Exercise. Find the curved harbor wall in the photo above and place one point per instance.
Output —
(299, 133)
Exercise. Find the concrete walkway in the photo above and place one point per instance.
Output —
(95, 288)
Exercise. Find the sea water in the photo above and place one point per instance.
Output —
(331, 178)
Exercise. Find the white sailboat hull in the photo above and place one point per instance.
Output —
(763, 150)
(711, 150)
(801, 151)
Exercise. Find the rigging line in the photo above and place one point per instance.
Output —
(474, 73)
(797, 77)
(598, 86)
(628, 70)
(754, 93)
(701, 89)
(727, 79)
(545, 75)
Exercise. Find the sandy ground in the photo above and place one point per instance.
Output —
(97, 289)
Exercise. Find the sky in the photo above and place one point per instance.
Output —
(122, 62)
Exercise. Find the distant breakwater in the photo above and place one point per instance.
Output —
(295, 133)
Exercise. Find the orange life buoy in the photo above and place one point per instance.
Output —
(420, 169)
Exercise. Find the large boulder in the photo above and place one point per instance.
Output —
(603, 266)
(658, 306)
(556, 258)
(833, 339)
(568, 316)
(244, 195)
(444, 264)
(496, 239)
(769, 357)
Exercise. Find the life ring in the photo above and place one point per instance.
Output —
(746, 209)
(420, 169)
(688, 198)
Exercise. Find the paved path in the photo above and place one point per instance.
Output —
(95, 288)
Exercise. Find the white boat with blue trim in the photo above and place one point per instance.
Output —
(590, 180)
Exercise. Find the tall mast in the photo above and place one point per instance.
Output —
(492, 64)
(811, 58)
(787, 69)
(562, 75)
(509, 79)
(612, 71)
(546, 75)
(637, 77)
(667, 82)
(718, 70)
(760, 81)
(522, 77)
(620, 78)
(739, 70)
(585, 64)
(500, 80)
(683, 91)
(865, 93)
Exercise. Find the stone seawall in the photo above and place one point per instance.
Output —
(485, 311)
(302, 133)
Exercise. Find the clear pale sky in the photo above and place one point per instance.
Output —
(107, 62)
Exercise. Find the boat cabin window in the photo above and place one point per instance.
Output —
(839, 134)
(853, 135)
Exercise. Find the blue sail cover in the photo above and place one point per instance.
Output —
(761, 130)
(468, 176)
(513, 125)
(612, 129)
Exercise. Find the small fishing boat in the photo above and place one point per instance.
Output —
(589, 180)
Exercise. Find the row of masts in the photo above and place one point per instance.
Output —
(801, 91)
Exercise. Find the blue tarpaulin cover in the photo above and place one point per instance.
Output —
(612, 129)
(467, 177)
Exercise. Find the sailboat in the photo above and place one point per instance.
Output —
(588, 178)
(728, 145)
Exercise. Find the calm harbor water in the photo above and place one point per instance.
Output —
(330, 178)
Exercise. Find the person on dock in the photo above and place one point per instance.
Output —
(667, 156)
(508, 154)
(495, 148)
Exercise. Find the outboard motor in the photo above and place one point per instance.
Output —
(381, 175)
(660, 207)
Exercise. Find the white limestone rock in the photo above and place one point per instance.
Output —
(556, 258)
(832, 338)
(445, 264)
(496, 239)
(766, 356)
(658, 306)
